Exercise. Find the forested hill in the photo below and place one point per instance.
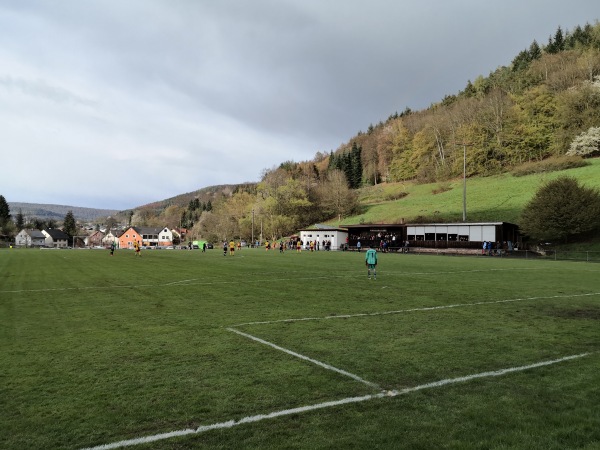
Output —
(205, 195)
(58, 212)
(528, 110)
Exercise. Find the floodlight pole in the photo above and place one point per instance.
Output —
(252, 242)
(464, 182)
(464, 146)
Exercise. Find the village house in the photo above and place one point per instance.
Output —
(55, 238)
(30, 238)
(146, 237)
(111, 236)
(94, 239)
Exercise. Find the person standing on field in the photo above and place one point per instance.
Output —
(137, 248)
(371, 262)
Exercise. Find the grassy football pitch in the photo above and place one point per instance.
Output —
(183, 349)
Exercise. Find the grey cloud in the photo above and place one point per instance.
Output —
(221, 82)
(44, 90)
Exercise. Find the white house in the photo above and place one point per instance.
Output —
(337, 237)
(110, 237)
(30, 238)
(55, 238)
(165, 237)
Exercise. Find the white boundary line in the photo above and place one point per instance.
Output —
(306, 358)
(344, 401)
(400, 311)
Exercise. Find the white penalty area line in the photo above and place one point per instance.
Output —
(306, 358)
(428, 308)
(329, 404)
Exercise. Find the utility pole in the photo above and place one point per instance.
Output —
(464, 146)
(464, 182)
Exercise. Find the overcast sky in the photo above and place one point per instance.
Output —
(117, 103)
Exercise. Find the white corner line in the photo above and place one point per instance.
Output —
(306, 358)
(329, 404)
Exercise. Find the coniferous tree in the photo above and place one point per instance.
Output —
(334, 162)
(575, 38)
(39, 224)
(4, 211)
(183, 220)
(535, 52)
(20, 220)
(556, 44)
(559, 40)
(355, 166)
(69, 225)
(469, 90)
(346, 167)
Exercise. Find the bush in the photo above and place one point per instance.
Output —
(561, 209)
(550, 165)
(390, 196)
(442, 187)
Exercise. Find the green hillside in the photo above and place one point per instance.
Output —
(496, 198)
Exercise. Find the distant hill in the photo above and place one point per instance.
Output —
(210, 193)
(57, 212)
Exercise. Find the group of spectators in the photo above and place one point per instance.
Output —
(314, 245)
(496, 248)
(383, 242)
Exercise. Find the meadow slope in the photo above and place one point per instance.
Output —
(499, 198)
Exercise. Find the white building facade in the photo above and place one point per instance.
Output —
(334, 238)
(30, 238)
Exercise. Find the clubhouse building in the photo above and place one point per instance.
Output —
(433, 235)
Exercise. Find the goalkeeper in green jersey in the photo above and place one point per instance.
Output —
(371, 262)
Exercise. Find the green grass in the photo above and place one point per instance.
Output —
(498, 198)
(96, 349)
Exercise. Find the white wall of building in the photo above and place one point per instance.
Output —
(337, 237)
